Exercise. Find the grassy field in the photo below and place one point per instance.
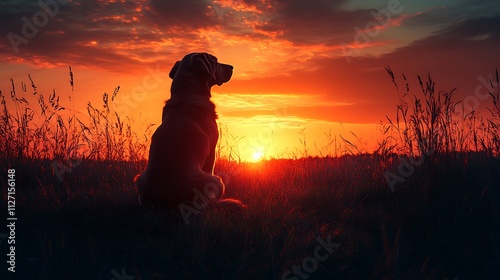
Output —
(425, 205)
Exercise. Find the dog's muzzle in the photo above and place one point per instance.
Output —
(226, 71)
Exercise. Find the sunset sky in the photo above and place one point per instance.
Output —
(298, 64)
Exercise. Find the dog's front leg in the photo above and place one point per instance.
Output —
(208, 165)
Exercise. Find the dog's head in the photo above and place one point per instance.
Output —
(203, 66)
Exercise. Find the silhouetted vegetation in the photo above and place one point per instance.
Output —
(425, 205)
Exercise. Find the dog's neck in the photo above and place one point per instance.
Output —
(190, 84)
(185, 103)
(191, 99)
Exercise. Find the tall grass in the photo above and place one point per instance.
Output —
(432, 122)
(52, 131)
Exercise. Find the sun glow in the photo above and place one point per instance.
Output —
(257, 156)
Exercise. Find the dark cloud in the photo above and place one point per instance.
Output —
(191, 14)
(471, 43)
(468, 30)
(316, 22)
(440, 17)
(437, 17)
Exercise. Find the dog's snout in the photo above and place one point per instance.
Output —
(226, 65)
(226, 71)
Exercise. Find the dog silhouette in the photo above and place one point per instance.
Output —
(182, 151)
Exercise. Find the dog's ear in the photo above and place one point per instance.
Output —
(174, 69)
(207, 63)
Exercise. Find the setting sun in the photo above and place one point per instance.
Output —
(257, 156)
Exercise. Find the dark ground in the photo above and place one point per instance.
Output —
(441, 222)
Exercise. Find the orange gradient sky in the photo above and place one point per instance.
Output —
(313, 65)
